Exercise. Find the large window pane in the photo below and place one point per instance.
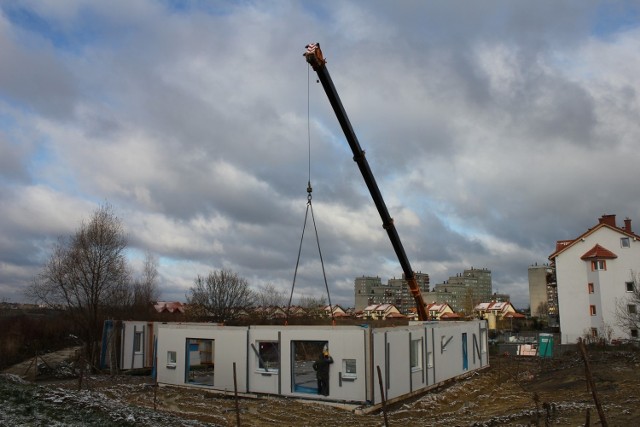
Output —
(304, 353)
(200, 361)
(268, 354)
(416, 354)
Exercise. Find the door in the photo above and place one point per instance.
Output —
(465, 353)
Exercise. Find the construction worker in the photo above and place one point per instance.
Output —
(321, 366)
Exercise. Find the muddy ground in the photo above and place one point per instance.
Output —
(512, 392)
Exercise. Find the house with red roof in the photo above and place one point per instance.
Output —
(381, 311)
(169, 307)
(595, 280)
(500, 309)
(496, 310)
(335, 311)
(440, 311)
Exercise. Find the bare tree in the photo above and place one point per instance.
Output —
(627, 311)
(312, 302)
(145, 289)
(542, 309)
(87, 275)
(220, 296)
(270, 296)
(313, 306)
(470, 302)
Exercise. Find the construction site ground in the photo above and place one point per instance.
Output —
(513, 391)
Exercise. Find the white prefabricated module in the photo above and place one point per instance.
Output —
(281, 360)
(129, 344)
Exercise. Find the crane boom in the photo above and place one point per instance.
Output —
(316, 60)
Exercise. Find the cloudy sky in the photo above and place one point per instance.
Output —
(494, 128)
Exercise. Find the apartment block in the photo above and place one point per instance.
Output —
(370, 290)
(594, 274)
(465, 290)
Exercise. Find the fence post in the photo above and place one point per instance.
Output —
(591, 383)
(382, 396)
(235, 390)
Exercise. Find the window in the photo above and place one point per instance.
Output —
(483, 340)
(630, 286)
(592, 310)
(137, 342)
(632, 309)
(465, 353)
(590, 287)
(171, 359)
(624, 242)
(594, 332)
(268, 354)
(634, 333)
(598, 264)
(416, 354)
(349, 368)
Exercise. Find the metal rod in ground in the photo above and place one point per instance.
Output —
(587, 421)
(382, 396)
(81, 376)
(592, 384)
(33, 361)
(235, 391)
(155, 389)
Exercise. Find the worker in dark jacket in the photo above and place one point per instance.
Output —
(321, 366)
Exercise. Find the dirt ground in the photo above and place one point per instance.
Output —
(512, 392)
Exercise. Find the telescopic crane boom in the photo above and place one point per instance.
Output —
(316, 60)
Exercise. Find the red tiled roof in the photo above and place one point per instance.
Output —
(395, 315)
(599, 252)
(562, 245)
(171, 307)
(514, 315)
(341, 314)
(449, 316)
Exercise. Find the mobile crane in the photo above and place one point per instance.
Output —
(315, 58)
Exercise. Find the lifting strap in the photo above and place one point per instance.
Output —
(304, 226)
(324, 275)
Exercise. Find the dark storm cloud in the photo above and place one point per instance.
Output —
(484, 123)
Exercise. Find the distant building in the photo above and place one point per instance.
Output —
(381, 312)
(498, 309)
(403, 299)
(464, 291)
(453, 294)
(594, 279)
(369, 290)
(495, 311)
(543, 295)
(335, 311)
(439, 310)
(500, 297)
(169, 307)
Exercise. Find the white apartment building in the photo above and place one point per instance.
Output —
(594, 274)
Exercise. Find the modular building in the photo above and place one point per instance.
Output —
(128, 344)
(279, 360)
